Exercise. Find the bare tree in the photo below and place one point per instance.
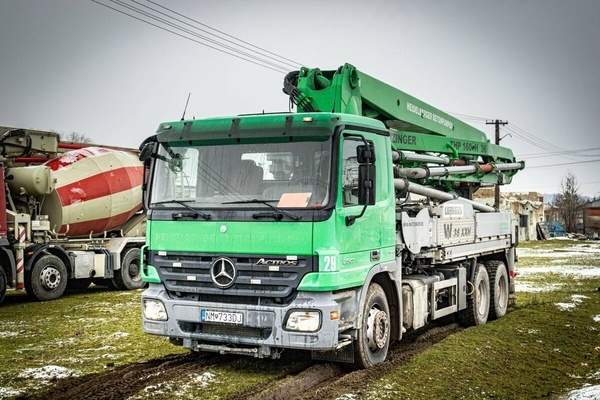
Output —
(75, 138)
(569, 203)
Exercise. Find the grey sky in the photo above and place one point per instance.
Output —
(77, 66)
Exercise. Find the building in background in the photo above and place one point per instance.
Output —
(527, 209)
(591, 219)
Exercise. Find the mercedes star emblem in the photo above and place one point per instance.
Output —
(223, 273)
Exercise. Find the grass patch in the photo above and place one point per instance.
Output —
(83, 333)
(547, 344)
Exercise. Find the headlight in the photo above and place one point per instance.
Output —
(303, 321)
(154, 310)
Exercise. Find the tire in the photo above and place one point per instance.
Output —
(47, 279)
(3, 284)
(373, 340)
(78, 285)
(499, 287)
(129, 277)
(478, 302)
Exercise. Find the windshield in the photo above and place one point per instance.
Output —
(286, 175)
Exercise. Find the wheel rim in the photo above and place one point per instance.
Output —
(377, 329)
(50, 278)
(134, 270)
(482, 298)
(502, 292)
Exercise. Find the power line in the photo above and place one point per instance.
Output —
(256, 58)
(555, 153)
(563, 164)
(187, 31)
(294, 64)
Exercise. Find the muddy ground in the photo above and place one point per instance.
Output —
(303, 379)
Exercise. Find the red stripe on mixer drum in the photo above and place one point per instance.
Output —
(100, 185)
(98, 225)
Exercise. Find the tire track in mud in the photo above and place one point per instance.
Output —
(330, 381)
(302, 380)
(126, 381)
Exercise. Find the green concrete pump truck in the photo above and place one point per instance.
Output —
(335, 229)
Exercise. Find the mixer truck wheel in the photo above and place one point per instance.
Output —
(373, 340)
(129, 276)
(499, 288)
(3, 284)
(47, 279)
(478, 299)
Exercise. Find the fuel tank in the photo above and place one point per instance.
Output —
(96, 190)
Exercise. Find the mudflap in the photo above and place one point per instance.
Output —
(344, 354)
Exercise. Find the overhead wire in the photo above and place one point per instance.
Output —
(522, 134)
(247, 54)
(173, 25)
(292, 63)
(556, 153)
(563, 164)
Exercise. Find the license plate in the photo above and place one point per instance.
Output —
(221, 317)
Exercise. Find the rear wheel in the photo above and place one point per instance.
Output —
(129, 276)
(373, 340)
(478, 301)
(499, 288)
(3, 284)
(47, 279)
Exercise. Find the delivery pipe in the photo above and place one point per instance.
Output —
(404, 184)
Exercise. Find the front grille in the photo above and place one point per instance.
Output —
(188, 276)
(236, 331)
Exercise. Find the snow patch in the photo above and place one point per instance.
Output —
(347, 396)
(587, 392)
(575, 299)
(6, 392)
(597, 318)
(576, 271)
(8, 334)
(46, 373)
(205, 379)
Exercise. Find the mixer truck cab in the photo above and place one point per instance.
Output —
(308, 231)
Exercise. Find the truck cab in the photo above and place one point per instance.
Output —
(267, 221)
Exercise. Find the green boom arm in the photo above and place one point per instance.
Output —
(414, 125)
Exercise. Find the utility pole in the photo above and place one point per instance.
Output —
(497, 141)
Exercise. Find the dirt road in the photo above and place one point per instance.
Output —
(301, 379)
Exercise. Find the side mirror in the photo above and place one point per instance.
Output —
(146, 152)
(365, 154)
(366, 184)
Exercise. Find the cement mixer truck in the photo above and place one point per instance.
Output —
(71, 215)
(334, 230)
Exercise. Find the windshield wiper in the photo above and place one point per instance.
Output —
(194, 213)
(268, 204)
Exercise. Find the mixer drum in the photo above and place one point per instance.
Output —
(96, 190)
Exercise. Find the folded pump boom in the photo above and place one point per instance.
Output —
(423, 138)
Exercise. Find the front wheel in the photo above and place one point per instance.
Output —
(373, 340)
(129, 276)
(478, 301)
(47, 279)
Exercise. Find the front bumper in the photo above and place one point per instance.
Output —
(262, 329)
